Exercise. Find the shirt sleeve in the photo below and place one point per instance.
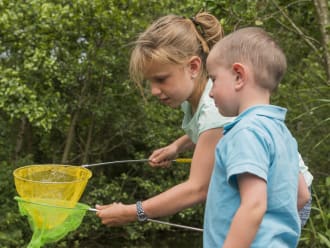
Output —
(248, 152)
(305, 172)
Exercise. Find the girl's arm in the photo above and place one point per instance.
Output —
(303, 192)
(179, 197)
(184, 143)
(246, 221)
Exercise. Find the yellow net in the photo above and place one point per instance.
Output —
(49, 196)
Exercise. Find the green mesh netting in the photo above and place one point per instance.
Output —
(50, 223)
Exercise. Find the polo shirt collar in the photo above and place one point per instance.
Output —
(271, 111)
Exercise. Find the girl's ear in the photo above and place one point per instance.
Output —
(195, 64)
(240, 72)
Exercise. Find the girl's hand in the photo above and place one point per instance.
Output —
(116, 214)
(163, 157)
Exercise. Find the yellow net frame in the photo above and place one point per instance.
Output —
(49, 196)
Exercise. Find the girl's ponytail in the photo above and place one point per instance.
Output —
(208, 31)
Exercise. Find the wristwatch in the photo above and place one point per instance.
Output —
(141, 215)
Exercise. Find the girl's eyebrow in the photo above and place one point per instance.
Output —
(160, 75)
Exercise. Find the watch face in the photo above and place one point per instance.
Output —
(142, 218)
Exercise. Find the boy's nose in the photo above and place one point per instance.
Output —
(211, 93)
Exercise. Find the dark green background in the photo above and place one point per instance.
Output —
(65, 97)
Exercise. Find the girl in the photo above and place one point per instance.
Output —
(171, 55)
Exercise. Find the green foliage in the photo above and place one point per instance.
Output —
(63, 73)
(317, 231)
(13, 227)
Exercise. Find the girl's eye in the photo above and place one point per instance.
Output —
(160, 79)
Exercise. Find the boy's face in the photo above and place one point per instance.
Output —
(223, 91)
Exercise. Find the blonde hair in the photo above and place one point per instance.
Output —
(253, 46)
(174, 39)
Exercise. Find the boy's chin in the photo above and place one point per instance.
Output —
(224, 113)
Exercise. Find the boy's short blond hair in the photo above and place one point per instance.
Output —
(255, 47)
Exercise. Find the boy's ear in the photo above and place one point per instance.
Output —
(241, 75)
(195, 64)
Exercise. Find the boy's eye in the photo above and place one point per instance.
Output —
(210, 77)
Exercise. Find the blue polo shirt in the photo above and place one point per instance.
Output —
(256, 142)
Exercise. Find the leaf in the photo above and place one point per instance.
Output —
(324, 240)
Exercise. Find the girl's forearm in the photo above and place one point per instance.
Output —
(183, 143)
(175, 199)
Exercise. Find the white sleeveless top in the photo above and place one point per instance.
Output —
(206, 116)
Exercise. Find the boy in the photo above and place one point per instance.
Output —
(252, 196)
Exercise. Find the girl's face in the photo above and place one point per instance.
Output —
(171, 84)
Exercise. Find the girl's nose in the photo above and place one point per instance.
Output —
(155, 91)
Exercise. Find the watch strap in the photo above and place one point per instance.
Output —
(140, 212)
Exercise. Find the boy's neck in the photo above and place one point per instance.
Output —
(253, 97)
